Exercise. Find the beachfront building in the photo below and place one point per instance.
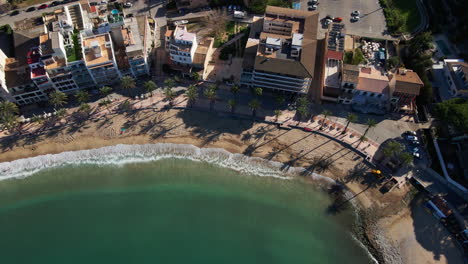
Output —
(281, 52)
(98, 55)
(365, 86)
(406, 86)
(133, 46)
(187, 54)
(456, 74)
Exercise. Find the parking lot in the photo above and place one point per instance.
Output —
(372, 20)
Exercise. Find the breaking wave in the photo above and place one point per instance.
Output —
(123, 154)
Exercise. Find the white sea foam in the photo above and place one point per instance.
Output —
(123, 154)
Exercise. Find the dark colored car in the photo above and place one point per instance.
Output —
(32, 8)
(337, 19)
(55, 3)
(129, 15)
(14, 13)
(93, 3)
(44, 6)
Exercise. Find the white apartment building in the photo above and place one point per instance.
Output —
(182, 46)
(98, 55)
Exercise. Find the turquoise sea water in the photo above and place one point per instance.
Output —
(169, 211)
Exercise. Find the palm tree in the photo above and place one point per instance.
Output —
(325, 114)
(392, 148)
(192, 94)
(150, 86)
(169, 94)
(7, 107)
(370, 123)
(128, 83)
(258, 91)
(169, 83)
(210, 94)
(10, 121)
(277, 114)
(232, 105)
(105, 91)
(406, 158)
(302, 111)
(235, 89)
(61, 113)
(58, 98)
(254, 104)
(196, 76)
(350, 118)
(82, 96)
(85, 108)
(280, 100)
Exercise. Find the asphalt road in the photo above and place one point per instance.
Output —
(372, 23)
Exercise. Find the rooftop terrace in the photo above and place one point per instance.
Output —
(97, 49)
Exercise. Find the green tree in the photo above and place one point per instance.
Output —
(277, 114)
(85, 108)
(57, 98)
(8, 115)
(392, 149)
(150, 86)
(254, 104)
(350, 118)
(82, 96)
(169, 83)
(169, 95)
(192, 94)
(370, 124)
(280, 100)
(393, 62)
(210, 94)
(358, 57)
(454, 112)
(128, 84)
(325, 114)
(62, 112)
(258, 91)
(235, 89)
(406, 158)
(105, 91)
(196, 76)
(232, 105)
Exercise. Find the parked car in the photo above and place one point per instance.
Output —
(14, 13)
(411, 138)
(43, 6)
(355, 13)
(93, 3)
(416, 154)
(230, 7)
(354, 19)
(411, 133)
(32, 8)
(180, 22)
(414, 143)
(312, 8)
(329, 17)
(328, 22)
(55, 3)
(313, 2)
(129, 15)
(337, 19)
(128, 5)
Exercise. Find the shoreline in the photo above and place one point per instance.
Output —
(293, 148)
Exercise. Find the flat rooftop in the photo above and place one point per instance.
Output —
(95, 50)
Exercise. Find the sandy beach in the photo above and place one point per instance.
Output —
(217, 130)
